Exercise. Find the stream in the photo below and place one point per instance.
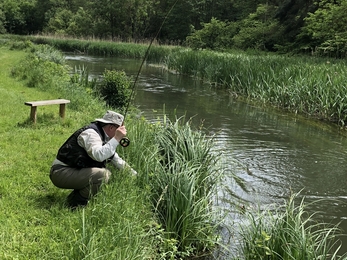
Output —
(274, 153)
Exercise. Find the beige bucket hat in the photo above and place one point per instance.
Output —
(111, 117)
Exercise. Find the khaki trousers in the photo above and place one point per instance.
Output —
(86, 180)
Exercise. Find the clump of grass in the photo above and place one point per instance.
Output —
(288, 232)
(184, 182)
(116, 225)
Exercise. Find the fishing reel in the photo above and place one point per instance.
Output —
(125, 142)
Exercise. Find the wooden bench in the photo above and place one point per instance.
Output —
(35, 104)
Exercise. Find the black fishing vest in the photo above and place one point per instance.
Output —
(72, 154)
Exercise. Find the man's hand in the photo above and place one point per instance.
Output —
(120, 133)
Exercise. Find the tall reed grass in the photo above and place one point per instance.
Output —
(300, 84)
(156, 54)
(311, 86)
(184, 184)
(288, 232)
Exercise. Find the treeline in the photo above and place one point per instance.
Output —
(309, 26)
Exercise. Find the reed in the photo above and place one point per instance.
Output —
(179, 174)
(184, 182)
(307, 85)
(156, 54)
(288, 232)
(310, 86)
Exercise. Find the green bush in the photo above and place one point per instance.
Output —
(115, 88)
(44, 67)
(213, 35)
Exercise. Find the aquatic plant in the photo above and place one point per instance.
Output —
(184, 183)
(286, 232)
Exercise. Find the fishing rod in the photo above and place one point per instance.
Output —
(125, 141)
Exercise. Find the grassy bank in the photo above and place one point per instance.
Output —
(129, 218)
(306, 85)
(34, 222)
(166, 212)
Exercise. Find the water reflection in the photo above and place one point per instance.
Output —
(274, 153)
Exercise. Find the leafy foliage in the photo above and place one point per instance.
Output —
(42, 67)
(115, 88)
(327, 27)
(258, 31)
(270, 25)
(214, 35)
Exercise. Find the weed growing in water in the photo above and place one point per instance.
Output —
(287, 232)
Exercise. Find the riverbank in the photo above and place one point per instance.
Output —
(311, 86)
(34, 222)
(109, 217)
(131, 217)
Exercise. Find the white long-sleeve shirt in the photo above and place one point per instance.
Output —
(90, 140)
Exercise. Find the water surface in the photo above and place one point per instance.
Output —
(273, 152)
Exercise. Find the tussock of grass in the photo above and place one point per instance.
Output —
(184, 185)
(288, 232)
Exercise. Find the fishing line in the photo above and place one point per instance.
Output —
(125, 141)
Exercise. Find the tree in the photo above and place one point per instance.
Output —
(81, 24)
(291, 15)
(14, 18)
(327, 27)
(119, 18)
(45, 10)
(60, 22)
(2, 21)
(214, 35)
(259, 30)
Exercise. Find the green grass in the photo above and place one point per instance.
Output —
(123, 220)
(34, 222)
(288, 232)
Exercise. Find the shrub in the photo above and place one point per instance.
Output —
(214, 35)
(115, 88)
(44, 68)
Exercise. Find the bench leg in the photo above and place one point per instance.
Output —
(62, 110)
(33, 114)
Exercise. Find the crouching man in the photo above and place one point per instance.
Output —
(81, 161)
